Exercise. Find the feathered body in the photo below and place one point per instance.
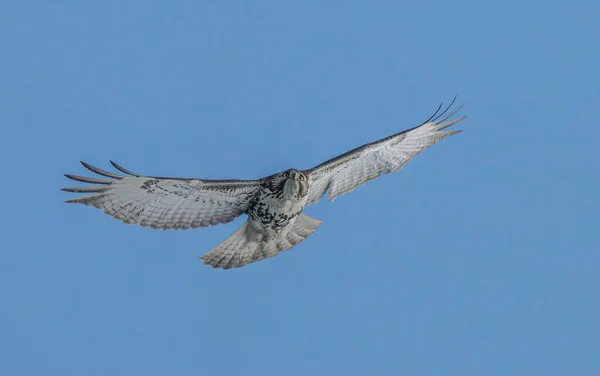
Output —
(273, 204)
(280, 199)
(271, 226)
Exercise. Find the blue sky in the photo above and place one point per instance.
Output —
(479, 258)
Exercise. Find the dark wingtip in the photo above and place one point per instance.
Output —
(85, 179)
(434, 114)
(72, 177)
(100, 171)
(446, 110)
(123, 169)
(437, 115)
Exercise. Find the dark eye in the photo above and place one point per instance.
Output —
(286, 174)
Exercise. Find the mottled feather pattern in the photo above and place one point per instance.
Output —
(168, 203)
(274, 204)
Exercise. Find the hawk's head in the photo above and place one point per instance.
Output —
(292, 184)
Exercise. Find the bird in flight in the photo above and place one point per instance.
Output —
(272, 204)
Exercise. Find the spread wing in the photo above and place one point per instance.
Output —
(345, 172)
(167, 203)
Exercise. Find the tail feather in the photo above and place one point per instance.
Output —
(293, 238)
(266, 249)
(303, 227)
(233, 251)
(245, 246)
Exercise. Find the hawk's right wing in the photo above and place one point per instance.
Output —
(166, 203)
(354, 168)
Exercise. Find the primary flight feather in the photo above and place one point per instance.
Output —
(273, 204)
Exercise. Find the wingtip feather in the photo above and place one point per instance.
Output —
(123, 169)
(83, 189)
(453, 132)
(86, 179)
(100, 171)
(451, 123)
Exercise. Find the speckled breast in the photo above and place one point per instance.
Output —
(273, 213)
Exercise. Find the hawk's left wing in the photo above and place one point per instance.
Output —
(166, 203)
(345, 172)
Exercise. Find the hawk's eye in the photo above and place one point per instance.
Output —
(286, 174)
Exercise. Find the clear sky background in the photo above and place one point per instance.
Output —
(480, 257)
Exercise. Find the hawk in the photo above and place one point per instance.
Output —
(273, 205)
